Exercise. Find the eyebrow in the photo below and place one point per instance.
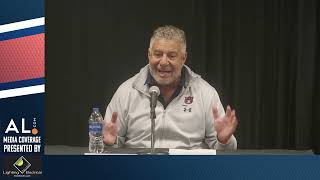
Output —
(170, 51)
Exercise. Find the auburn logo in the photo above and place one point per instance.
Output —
(188, 100)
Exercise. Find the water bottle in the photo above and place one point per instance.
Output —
(95, 132)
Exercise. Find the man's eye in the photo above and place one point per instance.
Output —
(172, 56)
(158, 54)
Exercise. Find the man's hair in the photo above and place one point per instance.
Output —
(169, 32)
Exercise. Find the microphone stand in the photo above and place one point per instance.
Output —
(153, 104)
(152, 117)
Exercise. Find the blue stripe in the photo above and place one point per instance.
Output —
(20, 10)
(19, 84)
(22, 33)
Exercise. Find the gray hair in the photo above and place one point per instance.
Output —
(169, 32)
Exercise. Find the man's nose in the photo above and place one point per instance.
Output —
(164, 60)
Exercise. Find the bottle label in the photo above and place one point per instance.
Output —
(95, 128)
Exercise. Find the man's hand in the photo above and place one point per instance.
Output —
(111, 130)
(225, 125)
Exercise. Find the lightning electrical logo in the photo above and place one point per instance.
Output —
(22, 164)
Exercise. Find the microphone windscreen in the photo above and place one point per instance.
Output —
(154, 89)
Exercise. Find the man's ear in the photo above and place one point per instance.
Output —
(149, 53)
(185, 57)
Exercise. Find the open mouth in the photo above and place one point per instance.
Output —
(164, 73)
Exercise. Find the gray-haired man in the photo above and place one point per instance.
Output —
(189, 112)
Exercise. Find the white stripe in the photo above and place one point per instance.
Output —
(22, 25)
(22, 91)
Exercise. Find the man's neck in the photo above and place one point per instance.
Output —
(168, 91)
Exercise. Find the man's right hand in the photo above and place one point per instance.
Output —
(111, 130)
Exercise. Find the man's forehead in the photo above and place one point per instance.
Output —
(166, 45)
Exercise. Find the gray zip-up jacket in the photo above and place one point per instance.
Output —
(186, 123)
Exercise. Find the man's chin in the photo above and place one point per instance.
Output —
(163, 82)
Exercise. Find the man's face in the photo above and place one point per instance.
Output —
(166, 60)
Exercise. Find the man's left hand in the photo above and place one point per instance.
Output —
(225, 125)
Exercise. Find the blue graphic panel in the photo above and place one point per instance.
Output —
(20, 10)
(19, 116)
(182, 167)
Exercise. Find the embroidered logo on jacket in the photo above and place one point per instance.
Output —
(188, 99)
(186, 108)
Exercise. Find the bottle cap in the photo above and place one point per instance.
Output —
(95, 109)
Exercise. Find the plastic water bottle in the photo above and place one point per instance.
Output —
(95, 132)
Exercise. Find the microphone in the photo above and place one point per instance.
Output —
(154, 93)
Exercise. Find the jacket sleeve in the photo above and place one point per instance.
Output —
(119, 104)
(211, 134)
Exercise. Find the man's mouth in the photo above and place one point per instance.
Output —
(163, 73)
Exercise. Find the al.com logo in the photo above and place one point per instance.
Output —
(21, 136)
(12, 127)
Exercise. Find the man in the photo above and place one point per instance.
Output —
(189, 113)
